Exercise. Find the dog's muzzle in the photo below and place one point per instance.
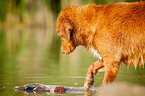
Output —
(62, 52)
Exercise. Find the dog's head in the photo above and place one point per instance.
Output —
(65, 30)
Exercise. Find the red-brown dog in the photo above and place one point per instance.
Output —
(115, 32)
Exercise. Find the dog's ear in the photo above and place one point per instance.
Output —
(67, 28)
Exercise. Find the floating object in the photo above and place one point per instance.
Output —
(47, 89)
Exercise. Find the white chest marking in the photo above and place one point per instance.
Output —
(95, 53)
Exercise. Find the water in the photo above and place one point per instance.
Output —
(25, 58)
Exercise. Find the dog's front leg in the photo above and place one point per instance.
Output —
(92, 70)
(111, 71)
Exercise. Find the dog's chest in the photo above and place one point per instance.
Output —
(95, 53)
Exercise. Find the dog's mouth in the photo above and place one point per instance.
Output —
(68, 50)
(64, 52)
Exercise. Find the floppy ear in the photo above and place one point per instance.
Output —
(67, 28)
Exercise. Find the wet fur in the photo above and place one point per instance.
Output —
(116, 32)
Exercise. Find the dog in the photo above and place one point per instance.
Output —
(114, 32)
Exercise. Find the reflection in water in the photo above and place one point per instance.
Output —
(24, 59)
(119, 89)
(37, 88)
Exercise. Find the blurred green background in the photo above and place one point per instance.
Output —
(30, 50)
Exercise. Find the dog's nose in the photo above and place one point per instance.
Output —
(62, 52)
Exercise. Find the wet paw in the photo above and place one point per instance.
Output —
(88, 84)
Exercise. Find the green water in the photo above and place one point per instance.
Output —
(25, 58)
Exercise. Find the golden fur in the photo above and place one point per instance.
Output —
(116, 32)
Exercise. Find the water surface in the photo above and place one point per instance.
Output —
(25, 58)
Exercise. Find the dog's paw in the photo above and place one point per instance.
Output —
(88, 84)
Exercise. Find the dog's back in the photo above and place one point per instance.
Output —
(126, 24)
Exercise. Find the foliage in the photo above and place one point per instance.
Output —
(21, 7)
(3, 10)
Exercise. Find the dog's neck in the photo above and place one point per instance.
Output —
(88, 42)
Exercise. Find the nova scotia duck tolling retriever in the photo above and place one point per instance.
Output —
(114, 32)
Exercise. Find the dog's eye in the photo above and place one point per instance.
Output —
(61, 35)
(70, 30)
